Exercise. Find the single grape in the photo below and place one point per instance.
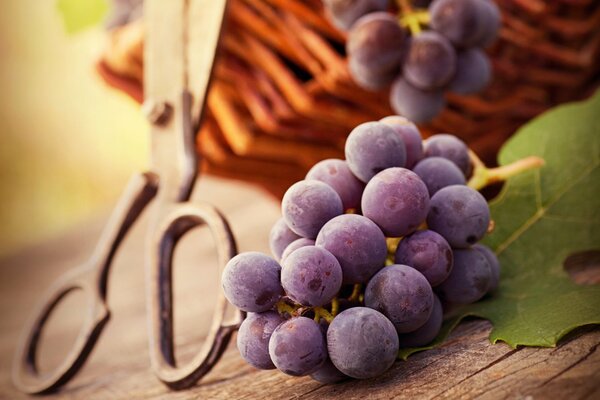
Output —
(473, 72)
(295, 245)
(253, 338)
(460, 214)
(410, 136)
(375, 47)
(357, 243)
(463, 22)
(297, 347)
(362, 343)
(427, 252)
(450, 147)
(311, 276)
(280, 237)
(438, 172)
(402, 294)
(328, 373)
(251, 282)
(372, 147)
(494, 265)
(469, 280)
(397, 200)
(308, 205)
(337, 174)
(343, 13)
(425, 334)
(415, 104)
(431, 61)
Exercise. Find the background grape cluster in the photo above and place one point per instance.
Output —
(419, 65)
(368, 253)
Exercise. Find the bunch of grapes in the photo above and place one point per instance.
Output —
(367, 251)
(420, 66)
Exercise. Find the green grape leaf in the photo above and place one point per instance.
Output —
(78, 15)
(541, 217)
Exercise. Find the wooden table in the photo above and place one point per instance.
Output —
(466, 366)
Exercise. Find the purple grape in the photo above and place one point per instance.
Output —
(427, 252)
(357, 243)
(402, 294)
(460, 214)
(397, 200)
(425, 334)
(311, 276)
(450, 147)
(308, 205)
(410, 136)
(343, 13)
(438, 172)
(473, 72)
(362, 343)
(251, 282)
(431, 61)
(376, 46)
(469, 280)
(372, 147)
(494, 265)
(464, 22)
(415, 104)
(295, 245)
(328, 373)
(253, 338)
(337, 174)
(297, 346)
(280, 238)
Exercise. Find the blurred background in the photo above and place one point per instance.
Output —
(68, 142)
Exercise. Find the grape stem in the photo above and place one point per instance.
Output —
(484, 176)
(411, 18)
(335, 306)
(284, 308)
(392, 244)
(355, 292)
(320, 312)
(294, 310)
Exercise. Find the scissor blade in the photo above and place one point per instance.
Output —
(180, 47)
(205, 20)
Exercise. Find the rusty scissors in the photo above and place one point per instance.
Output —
(178, 59)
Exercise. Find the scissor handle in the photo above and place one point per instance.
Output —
(25, 373)
(160, 296)
(91, 279)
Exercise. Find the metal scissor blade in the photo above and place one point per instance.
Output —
(181, 44)
(205, 20)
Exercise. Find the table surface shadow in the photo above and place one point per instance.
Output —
(466, 366)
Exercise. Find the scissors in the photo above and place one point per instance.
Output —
(181, 41)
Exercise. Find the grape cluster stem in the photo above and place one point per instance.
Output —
(411, 18)
(294, 310)
(484, 176)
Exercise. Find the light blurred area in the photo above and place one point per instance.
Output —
(68, 143)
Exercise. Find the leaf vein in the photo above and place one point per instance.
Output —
(540, 212)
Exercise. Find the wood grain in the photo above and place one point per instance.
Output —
(466, 366)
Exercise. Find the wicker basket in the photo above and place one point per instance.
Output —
(283, 98)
